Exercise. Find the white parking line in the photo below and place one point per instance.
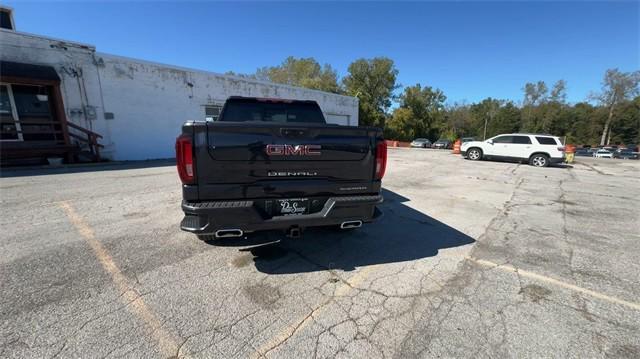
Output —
(167, 343)
(511, 269)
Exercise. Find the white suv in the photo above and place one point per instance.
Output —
(538, 150)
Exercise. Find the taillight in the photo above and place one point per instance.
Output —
(184, 159)
(381, 159)
(561, 149)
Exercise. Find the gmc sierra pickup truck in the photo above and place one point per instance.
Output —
(272, 164)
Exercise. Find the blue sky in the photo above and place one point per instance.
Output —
(470, 50)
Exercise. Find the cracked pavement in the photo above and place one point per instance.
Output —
(471, 259)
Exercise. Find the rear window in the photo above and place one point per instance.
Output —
(546, 141)
(276, 112)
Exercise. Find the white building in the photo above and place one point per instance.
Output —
(136, 106)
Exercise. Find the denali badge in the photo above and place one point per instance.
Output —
(290, 173)
(291, 150)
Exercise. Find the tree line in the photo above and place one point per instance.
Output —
(609, 116)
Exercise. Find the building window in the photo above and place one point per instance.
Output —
(9, 125)
(212, 112)
(6, 22)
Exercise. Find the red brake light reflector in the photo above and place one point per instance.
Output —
(184, 159)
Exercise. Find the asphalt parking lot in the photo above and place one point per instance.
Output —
(471, 259)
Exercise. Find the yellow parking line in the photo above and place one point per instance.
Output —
(167, 343)
(511, 269)
(302, 322)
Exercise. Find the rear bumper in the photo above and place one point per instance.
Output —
(556, 160)
(209, 217)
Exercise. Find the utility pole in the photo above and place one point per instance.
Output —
(489, 116)
(484, 135)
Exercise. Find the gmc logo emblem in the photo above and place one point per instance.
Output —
(291, 150)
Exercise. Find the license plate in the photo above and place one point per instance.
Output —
(292, 206)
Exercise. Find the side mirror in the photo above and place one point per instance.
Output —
(490, 142)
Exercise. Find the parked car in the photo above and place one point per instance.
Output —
(275, 164)
(633, 148)
(537, 149)
(625, 154)
(467, 139)
(441, 144)
(421, 143)
(583, 152)
(602, 153)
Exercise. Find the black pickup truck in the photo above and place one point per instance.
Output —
(276, 164)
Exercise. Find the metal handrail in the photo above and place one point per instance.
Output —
(80, 134)
(82, 129)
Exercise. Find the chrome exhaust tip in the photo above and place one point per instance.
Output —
(351, 224)
(229, 233)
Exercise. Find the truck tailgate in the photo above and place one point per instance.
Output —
(258, 160)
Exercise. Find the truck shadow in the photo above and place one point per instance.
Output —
(402, 234)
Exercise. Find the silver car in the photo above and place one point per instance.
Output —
(421, 143)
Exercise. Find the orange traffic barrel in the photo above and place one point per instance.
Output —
(569, 153)
(456, 147)
(570, 148)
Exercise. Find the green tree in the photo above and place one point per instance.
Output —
(554, 111)
(559, 92)
(535, 94)
(626, 127)
(617, 87)
(372, 81)
(427, 108)
(579, 129)
(303, 72)
(493, 116)
(460, 120)
(401, 125)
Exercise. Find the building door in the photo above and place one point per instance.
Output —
(34, 113)
(10, 129)
(26, 114)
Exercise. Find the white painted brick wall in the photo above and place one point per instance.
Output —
(149, 101)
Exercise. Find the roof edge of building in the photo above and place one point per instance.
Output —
(239, 78)
(92, 48)
(80, 45)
